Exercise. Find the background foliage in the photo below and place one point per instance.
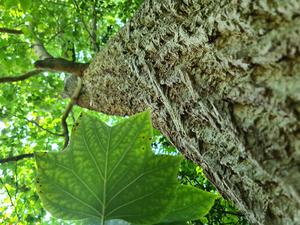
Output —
(30, 110)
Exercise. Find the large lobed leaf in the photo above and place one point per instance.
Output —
(108, 173)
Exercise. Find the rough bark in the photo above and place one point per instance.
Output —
(223, 81)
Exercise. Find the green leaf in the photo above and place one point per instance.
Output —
(10, 3)
(191, 204)
(108, 173)
(25, 4)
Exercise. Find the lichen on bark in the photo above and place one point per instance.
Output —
(223, 81)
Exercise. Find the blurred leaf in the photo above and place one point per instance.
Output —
(10, 3)
(25, 4)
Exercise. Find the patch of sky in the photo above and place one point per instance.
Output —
(119, 22)
(2, 125)
(54, 147)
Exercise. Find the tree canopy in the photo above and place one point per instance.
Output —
(32, 98)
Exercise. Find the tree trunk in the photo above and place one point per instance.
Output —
(222, 79)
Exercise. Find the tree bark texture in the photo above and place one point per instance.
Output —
(222, 79)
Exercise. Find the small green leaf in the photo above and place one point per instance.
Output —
(25, 4)
(10, 3)
(108, 173)
(191, 204)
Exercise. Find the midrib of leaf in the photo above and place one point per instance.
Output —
(106, 203)
(105, 176)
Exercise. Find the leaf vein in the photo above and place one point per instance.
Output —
(132, 182)
(78, 178)
(124, 153)
(93, 157)
(79, 200)
(130, 202)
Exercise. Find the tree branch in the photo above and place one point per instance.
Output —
(61, 65)
(21, 77)
(53, 64)
(16, 158)
(40, 50)
(49, 64)
(39, 126)
(69, 109)
(10, 31)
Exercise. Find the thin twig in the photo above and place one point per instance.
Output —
(21, 77)
(39, 126)
(62, 30)
(16, 158)
(69, 108)
(16, 191)
(8, 193)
